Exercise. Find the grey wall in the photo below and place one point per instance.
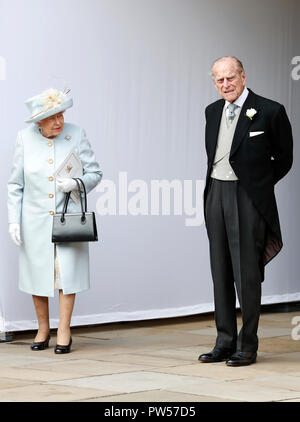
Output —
(138, 70)
(290, 203)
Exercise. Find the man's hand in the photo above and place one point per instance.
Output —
(66, 184)
(14, 231)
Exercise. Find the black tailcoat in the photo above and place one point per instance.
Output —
(259, 161)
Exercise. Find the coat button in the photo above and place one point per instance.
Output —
(51, 178)
(50, 161)
(51, 212)
(51, 195)
(50, 143)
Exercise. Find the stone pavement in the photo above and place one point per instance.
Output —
(153, 360)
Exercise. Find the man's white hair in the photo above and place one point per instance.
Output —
(238, 63)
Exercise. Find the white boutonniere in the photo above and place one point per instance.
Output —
(251, 113)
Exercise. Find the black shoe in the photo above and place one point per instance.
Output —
(242, 359)
(40, 345)
(59, 349)
(216, 355)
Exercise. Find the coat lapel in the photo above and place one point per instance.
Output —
(243, 123)
(214, 126)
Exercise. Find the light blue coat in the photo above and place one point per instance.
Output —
(30, 203)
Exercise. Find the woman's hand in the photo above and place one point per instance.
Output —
(14, 231)
(66, 184)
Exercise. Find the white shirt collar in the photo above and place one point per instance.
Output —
(240, 100)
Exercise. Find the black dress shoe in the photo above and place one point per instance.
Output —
(40, 345)
(242, 359)
(216, 355)
(59, 349)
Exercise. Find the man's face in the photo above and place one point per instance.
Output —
(228, 80)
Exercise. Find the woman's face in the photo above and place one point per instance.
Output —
(52, 126)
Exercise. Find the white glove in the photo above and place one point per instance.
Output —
(14, 231)
(66, 184)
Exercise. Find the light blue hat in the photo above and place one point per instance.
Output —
(48, 103)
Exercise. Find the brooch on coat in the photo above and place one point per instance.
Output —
(68, 137)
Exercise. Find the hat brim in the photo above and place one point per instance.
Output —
(61, 107)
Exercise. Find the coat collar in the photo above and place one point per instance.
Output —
(63, 135)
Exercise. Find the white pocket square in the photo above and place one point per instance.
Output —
(251, 134)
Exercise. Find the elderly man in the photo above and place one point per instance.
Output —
(250, 148)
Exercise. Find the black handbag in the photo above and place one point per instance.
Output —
(75, 227)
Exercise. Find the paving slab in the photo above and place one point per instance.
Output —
(50, 393)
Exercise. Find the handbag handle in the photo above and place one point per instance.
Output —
(83, 209)
(84, 192)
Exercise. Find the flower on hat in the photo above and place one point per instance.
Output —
(51, 98)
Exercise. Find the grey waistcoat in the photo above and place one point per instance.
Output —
(222, 169)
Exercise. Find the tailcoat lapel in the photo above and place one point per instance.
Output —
(243, 123)
(214, 126)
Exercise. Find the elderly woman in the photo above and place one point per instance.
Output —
(34, 196)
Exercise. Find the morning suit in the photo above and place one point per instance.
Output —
(241, 212)
(33, 199)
